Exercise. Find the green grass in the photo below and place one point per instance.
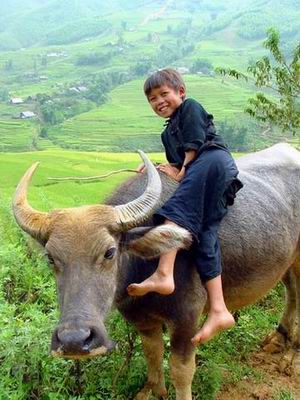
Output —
(45, 194)
(284, 395)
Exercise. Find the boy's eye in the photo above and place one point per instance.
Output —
(151, 99)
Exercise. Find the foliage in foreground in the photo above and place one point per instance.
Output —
(28, 316)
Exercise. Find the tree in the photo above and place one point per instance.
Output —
(4, 94)
(235, 136)
(141, 68)
(169, 29)
(201, 65)
(124, 25)
(280, 77)
(44, 61)
(8, 66)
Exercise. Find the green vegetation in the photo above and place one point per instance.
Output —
(282, 79)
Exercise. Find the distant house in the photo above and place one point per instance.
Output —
(155, 38)
(16, 100)
(27, 114)
(43, 78)
(78, 89)
(29, 75)
(57, 54)
(74, 89)
(183, 70)
(82, 88)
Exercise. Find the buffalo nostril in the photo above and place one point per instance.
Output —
(86, 348)
(88, 341)
(74, 341)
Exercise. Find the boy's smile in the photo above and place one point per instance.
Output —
(164, 100)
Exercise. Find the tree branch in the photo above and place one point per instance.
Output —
(92, 178)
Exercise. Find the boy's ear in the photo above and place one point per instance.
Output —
(181, 91)
(160, 240)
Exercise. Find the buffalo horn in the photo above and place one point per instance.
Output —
(137, 211)
(33, 222)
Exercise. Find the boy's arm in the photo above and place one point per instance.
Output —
(173, 172)
(189, 156)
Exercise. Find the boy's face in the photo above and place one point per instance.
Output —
(164, 100)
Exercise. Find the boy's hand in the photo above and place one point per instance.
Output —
(171, 171)
(141, 168)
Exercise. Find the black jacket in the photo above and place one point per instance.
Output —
(189, 128)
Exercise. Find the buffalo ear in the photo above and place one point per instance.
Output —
(136, 233)
(160, 240)
(133, 234)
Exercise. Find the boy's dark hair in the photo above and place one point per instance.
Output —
(168, 76)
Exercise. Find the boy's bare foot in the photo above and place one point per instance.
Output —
(160, 283)
(215, 323)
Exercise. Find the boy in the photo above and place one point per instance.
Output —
(201, 162)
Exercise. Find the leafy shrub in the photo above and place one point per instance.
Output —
(201, 65)
(94, 59)
(75, 31)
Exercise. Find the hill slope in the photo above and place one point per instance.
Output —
(60, 45)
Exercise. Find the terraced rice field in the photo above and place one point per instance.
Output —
(126, 121)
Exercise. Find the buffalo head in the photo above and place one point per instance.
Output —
(83, 247)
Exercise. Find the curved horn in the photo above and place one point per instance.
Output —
(133, 213)
(33, 222)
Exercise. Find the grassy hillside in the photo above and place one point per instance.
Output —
(51, 21)
(61, 44)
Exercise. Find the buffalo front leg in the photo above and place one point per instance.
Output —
(153, 347)
(182, 361)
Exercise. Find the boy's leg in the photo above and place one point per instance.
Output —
(208, 264)
(162, 281)
(219, 318)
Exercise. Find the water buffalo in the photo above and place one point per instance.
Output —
(96, 254)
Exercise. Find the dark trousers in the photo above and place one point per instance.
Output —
(199, 204)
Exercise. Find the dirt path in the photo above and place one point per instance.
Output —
(268, 386)
(158, 13)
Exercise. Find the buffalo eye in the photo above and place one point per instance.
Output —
(110, 253)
